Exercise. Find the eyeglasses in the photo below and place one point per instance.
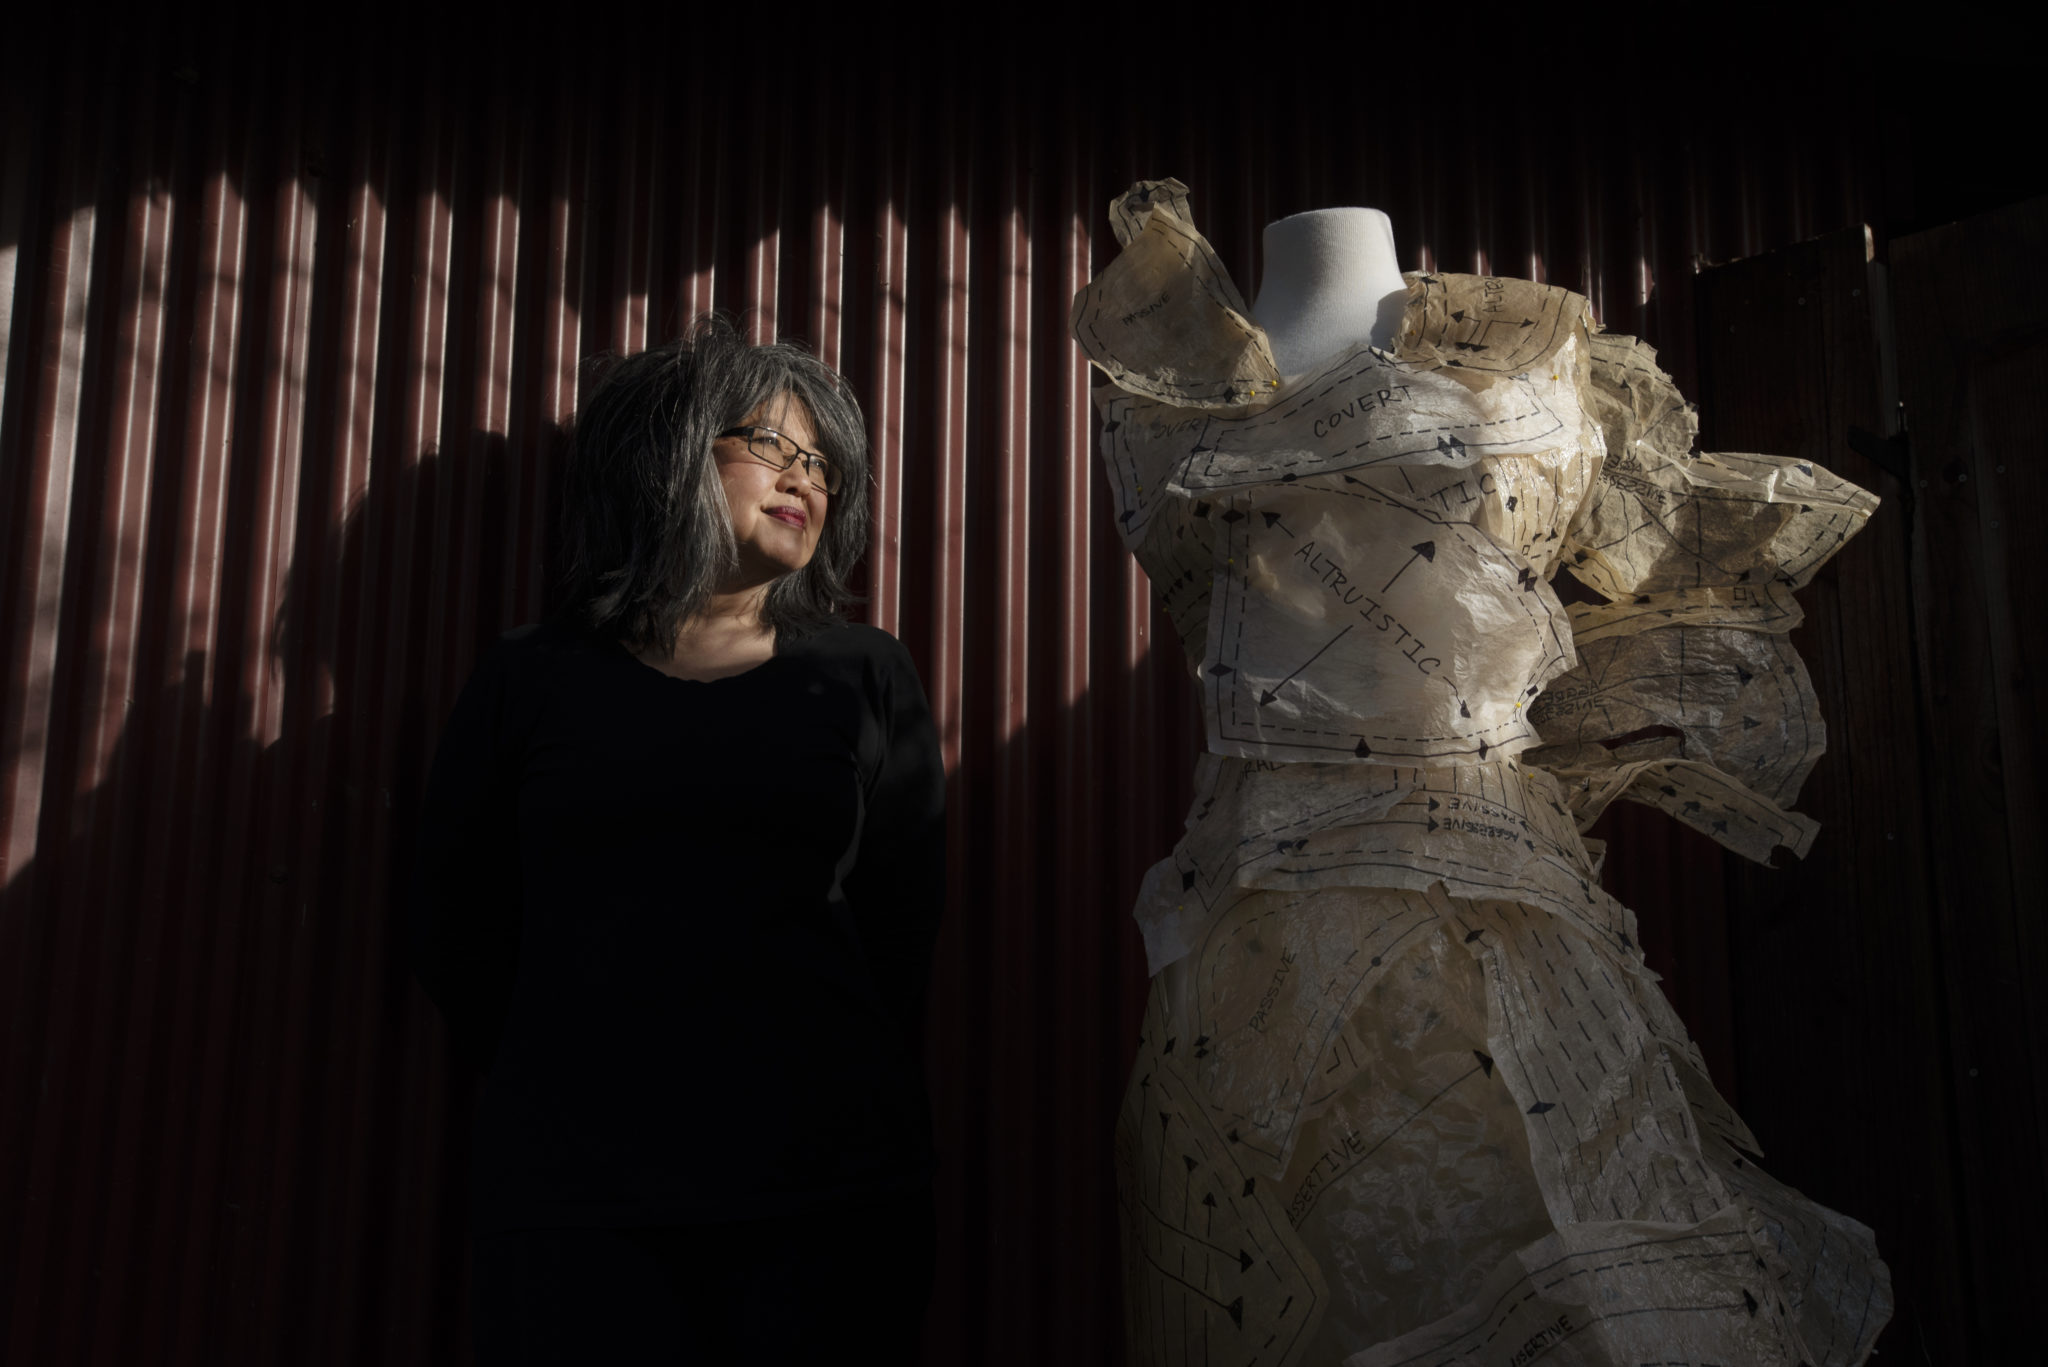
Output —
(770, 447)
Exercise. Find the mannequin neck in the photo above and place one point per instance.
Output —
(1331, 281)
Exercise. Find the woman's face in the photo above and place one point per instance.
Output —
(777, 515)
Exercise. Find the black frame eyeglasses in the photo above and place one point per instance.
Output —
(771, 447)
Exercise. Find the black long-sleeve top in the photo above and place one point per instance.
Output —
(685, 927)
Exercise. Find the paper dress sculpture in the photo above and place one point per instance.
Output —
(1406, 1093)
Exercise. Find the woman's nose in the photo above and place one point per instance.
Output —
(795, 479)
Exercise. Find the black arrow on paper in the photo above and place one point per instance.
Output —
(1233, 516)
(1274, 691)
(1424, 550)
(1201, 510)
(1187, 879)
(1189, 1160)
(1209, 1199)
(1451, 446)
(1458, 316)
(1434, 804)
(1273, 520)
(1129, 513)
(1485, 1062)
(1540, 1107)
(1235, 1309)
(1363, 751)
(1219, 669)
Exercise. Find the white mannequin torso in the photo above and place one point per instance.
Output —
(1331, 281)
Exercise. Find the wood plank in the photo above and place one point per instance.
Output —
(1837, 1008)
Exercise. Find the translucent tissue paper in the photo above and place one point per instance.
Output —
(1406, 1093)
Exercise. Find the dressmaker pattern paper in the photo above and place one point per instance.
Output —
(1406, 1093)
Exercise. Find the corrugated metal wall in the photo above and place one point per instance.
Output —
(285, 343)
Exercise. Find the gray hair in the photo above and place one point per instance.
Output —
(646, 533)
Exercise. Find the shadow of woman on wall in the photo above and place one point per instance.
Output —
(246, 1122)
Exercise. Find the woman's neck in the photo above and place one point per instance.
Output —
(726, 636)
(1331, 281)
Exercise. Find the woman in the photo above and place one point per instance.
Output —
(682, 864)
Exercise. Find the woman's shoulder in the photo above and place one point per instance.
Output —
(539, 653)
(854, 649)
(844, 639)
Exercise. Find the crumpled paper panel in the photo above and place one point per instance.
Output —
(1745, 704)
(1362, 411)
(1633, 400)
(1610, 1127)
(1609, 1294)
(1517, 503)
(1210, 1260)
(1164, 319)
(1344, 623)
(1769, 606)
(1654, 524)
(1490, 326)
(1478, 830)
(1432, 1084)
(1837, 1286)
(1267, 1000)
(1426, 1165)
(1697, 794)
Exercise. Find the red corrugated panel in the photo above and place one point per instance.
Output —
(287, 349)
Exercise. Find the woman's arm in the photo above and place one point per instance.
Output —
(898, 886)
